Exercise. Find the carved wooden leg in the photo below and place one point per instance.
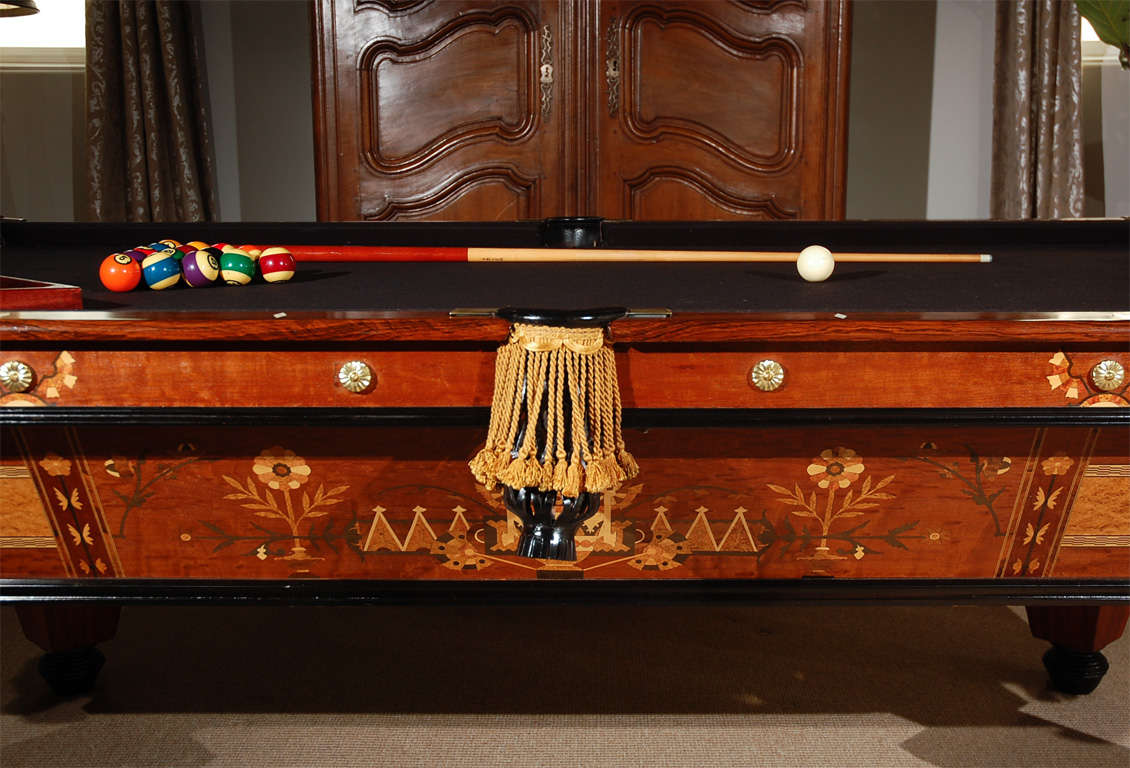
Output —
(68, 632)
(1077, 633)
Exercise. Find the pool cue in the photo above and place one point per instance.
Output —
(311, 253)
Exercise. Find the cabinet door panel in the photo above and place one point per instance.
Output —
(454, 195)
(670, 193)
(439, 110)
(417, 103)
(720, 110)
(499, 110)
(694, 83)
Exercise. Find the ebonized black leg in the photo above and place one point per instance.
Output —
(543, 535)
(1075, 671)
(68, 633)
(1078, 633)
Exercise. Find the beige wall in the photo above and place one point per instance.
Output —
(892, 69)
(961, 125)
(258, 59)
(1106, 132)
(41, 144)
(271, 61)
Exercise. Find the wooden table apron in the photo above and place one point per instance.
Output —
(95, 496)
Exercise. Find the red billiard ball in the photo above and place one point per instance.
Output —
(276, 265)
(119, 272)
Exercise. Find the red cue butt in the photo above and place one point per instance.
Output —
(304, 253)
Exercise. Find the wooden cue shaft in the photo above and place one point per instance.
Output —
(601, 254)
(310, 253)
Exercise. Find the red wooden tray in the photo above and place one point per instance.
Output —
(17, 293)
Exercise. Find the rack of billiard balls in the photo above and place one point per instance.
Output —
(166, 263)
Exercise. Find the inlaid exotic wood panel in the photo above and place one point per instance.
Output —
(438, 110)
(855, 376)
(400, 503)
(720, 110)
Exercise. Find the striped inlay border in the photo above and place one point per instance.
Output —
(1107, 470)
(28, 542)
(1096, 540)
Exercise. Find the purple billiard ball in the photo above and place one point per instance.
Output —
(200, 268)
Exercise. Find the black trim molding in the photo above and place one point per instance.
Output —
(618, 591)
(638, 418)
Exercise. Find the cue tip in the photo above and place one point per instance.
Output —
(986, 258)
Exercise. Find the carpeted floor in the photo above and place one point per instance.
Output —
(564, 686)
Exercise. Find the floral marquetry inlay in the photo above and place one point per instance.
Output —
(835, 470)
(284, 472)
(1104, 385)
(21, 384)
(980, 479)
(313, 502)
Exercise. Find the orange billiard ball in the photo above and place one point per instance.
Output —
(119, 272)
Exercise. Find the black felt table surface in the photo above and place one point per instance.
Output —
(1027, 275)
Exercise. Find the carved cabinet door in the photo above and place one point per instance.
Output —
(513, 109)
(438, 110)
(720, 110)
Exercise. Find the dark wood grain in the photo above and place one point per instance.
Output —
(55, 627)
(324, 96)
(838, 76)
(721, 111)
(1079, 627)
(442, 111)
(436, 111)
(300, 327)
(69, 632)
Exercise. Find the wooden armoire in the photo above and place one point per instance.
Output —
(520, 109)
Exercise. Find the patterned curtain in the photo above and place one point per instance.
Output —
(149, 144)
(1037, 112)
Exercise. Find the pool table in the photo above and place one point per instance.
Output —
(954, 433)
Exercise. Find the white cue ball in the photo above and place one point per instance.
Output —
(815, 263)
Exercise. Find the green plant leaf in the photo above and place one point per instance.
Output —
(1111, 21)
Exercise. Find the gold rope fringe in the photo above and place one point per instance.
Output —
(539, 367)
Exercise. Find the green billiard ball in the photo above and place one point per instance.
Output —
(236, 268)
